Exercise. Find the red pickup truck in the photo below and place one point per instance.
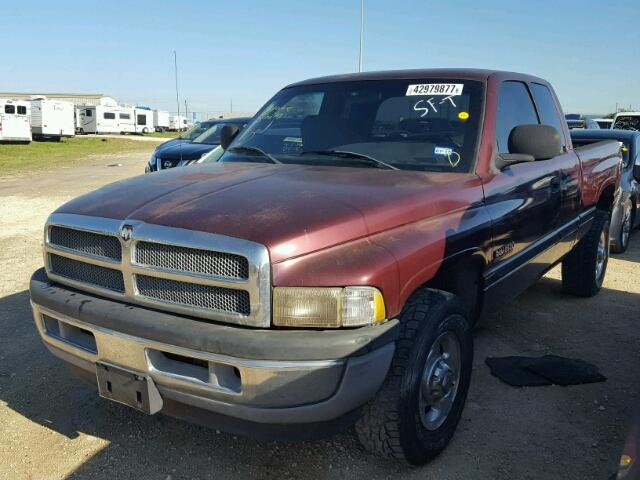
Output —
(330, 268)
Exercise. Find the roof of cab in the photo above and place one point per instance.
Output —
(451, 73)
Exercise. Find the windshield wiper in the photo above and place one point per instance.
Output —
(259, 151)
(374, 162)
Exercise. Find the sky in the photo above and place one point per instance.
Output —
(245, 51)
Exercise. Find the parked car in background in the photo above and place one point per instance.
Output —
(328, 270)
(627, 121)
(575, 120)
(625, 212)
(189, 135)
(201, 140)
(604, 122)
(15, 121)
(52, 118)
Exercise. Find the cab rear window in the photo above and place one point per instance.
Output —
(627, 122)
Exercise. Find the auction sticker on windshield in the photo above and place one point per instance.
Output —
(435, 89)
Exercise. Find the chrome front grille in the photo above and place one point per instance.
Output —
(87, 273)
(201, 296)
(194, 273)
(86, 242)
(192, 260)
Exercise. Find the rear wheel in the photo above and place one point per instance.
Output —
(414, 415)
(626, 225)
(584, 268)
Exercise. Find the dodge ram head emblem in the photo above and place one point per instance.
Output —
(126, 232)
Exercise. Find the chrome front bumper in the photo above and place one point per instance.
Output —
(273, 391)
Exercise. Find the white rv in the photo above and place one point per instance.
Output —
(178, 123)
(52, 118)
(99, 119)
(160, 120)
(143, 120)
(126, 120)
(15, 121)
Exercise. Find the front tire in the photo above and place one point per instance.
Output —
(414, 415)
(584, 268)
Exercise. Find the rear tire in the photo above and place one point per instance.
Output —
(584, 268)
(626, 225)
(414, 415)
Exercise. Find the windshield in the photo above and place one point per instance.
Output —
(213, 156)
(627, 122)
(196, 130)
(211, 135)
(426, 124)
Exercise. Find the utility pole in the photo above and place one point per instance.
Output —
(175, 69)
(186, 109)
(231, 105)
(361, 34)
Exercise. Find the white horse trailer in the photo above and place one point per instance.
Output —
(52, 118)
(15, 121)
(99, 119)
(178, 123)
(160, 120)
(143, 120)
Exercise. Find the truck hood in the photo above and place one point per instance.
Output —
(292, 209)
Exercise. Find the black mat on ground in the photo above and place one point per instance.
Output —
(546, 370)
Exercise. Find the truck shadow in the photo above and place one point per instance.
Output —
(37, 387)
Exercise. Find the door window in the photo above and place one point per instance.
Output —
(514, 108)
(547, 109)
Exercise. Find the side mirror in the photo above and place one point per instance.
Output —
(227, 134)
(542, 142)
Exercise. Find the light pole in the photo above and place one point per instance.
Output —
(361, 34)
(175, 71)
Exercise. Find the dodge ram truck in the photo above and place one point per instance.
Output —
(328, 270)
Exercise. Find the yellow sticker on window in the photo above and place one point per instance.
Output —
(463, 115)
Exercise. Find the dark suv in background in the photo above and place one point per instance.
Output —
(192, 145)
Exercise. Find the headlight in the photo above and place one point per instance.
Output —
(327, 307)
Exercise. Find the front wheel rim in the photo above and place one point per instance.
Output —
(601, 255)
(440, 380)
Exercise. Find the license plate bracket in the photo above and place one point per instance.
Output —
(131, 388)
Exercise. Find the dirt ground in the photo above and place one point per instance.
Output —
(52, 426)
